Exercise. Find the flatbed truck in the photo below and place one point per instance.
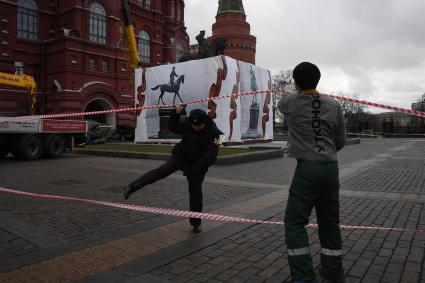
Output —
(33, 139)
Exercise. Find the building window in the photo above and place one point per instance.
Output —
(97, 23)
(144, 3)
(19, 67)
(148, 4)
(92, 64)
(173, 9)
(27, 19)
(144, 47)
(179, 51)
(105, 66)
(178, 11)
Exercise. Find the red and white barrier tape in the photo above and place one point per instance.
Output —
(181, 213)
(379, 105)
(134, 109)
(143, 208)
(197, 101)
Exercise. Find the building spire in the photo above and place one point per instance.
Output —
(231, 24)
(225, 6)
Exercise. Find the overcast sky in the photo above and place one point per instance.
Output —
(375, 48)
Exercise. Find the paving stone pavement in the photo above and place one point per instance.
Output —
(258, 254)
(54, 241)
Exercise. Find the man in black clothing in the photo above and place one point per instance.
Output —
(193, 155)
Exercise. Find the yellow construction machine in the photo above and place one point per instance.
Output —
(21, 81)
(129, 37)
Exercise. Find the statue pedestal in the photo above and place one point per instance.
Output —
(252, 132)
(164, 118)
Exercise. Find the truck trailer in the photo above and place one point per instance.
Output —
(33, 139)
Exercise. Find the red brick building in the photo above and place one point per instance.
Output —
(74, 50)
(231, 24)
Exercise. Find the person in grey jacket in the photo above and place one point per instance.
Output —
(316, 133)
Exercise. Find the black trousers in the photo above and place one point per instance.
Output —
(172, 165)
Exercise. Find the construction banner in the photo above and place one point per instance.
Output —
(239, 117)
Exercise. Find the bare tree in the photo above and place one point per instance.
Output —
(352, 111)
(419, 105)
(351, 107)
(280, 81)
(419, 122)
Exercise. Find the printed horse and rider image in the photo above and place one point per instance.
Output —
(171, 87)
(182, 83)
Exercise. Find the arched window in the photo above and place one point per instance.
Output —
(179, 51)
(144, 47)
(27, 19)
(97, 23)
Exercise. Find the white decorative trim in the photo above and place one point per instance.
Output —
(94, 82)
(59, 87)
(94, 53)
(115, 18)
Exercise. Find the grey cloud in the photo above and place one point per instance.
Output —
(372, 43)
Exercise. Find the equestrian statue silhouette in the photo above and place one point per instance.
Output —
(216, 48)
(174, 88)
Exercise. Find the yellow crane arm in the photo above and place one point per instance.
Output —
(131, 41)
(23, 81)
(129, 36)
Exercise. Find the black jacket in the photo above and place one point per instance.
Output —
(197, 148)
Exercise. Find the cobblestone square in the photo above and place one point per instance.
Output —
(47, 240)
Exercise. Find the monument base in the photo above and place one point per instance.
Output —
(252, 132)
(164, 118)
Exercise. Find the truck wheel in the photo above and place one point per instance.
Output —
(55, 146)
(30, 147)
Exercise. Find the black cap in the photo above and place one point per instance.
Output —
(197, 117)
(306, 75)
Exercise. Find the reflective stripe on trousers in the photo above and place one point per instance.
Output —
(300, 251)
(329, 252)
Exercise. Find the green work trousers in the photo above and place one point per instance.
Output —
(315, 184)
